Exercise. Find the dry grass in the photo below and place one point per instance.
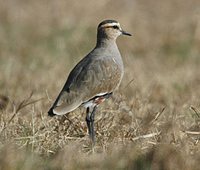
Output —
(151, 122)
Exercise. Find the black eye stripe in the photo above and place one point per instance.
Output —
(115, 27)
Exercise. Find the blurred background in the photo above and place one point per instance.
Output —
(41, 41)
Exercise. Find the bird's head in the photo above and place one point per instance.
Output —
(110, 29)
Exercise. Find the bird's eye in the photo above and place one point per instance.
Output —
(115, 27)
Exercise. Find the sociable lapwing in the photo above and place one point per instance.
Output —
(95, 77)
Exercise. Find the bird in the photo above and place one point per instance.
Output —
(95, 77)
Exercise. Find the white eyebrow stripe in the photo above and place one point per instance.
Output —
(110, 25)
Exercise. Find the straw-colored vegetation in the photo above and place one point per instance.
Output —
(151, 122)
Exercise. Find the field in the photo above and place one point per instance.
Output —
(151, 122)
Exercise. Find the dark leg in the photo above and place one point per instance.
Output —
(92, 135)
(90, 123)
(88, 120)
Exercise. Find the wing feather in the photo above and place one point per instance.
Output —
(91, 76)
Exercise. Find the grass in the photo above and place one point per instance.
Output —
(151, 121)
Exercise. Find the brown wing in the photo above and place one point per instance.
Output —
(97, 76)
(103, 76)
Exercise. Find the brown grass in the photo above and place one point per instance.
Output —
(151, 122)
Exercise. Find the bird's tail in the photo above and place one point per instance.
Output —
(50, 112)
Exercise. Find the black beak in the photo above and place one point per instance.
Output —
(125, 33)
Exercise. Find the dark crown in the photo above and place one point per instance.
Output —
(106, 22)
